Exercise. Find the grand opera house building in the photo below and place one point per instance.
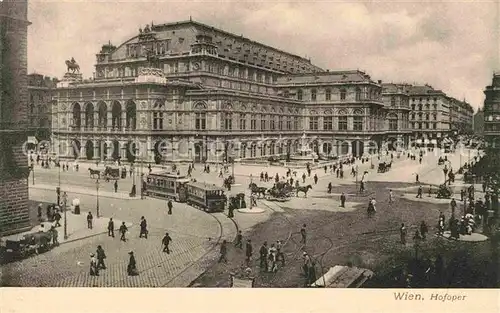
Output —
(187, 91)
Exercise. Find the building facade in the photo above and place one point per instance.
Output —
(429, 115)
(40, 92)
(189, 92)
(492, 113)
(14, 170)
(479, 122)
(461, 116)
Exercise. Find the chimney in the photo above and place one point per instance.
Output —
(380, 81)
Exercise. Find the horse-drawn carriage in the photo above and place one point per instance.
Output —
(111, 173)
(27, 245)
(384, 167)
(443, 192)
(238, 202)
(281, 191)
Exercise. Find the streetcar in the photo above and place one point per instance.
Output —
(207, 197)
(166, 185)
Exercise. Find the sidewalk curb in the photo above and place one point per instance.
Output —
(89, 236)
(86, 193)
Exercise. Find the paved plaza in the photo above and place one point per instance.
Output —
(197, 235)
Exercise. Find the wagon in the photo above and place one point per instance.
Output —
(27, 245)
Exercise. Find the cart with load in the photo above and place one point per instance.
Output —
(281, 191)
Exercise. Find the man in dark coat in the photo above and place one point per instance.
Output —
(111, 228)
(116, 185)
(166, 242)
(239, 240)
(342, 200)
(223, 252)
(123, 230)
(248, 251)
(329, 187)
(169, 205)
(132, 265)
(144, 231)
(89, 220)
(263, 256)
(315, 179)
(101, 255)
(303, 234)
(57, 218)
(423, 229)
(402, 233)
(39, 211)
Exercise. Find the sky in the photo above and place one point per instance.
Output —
(451, 45)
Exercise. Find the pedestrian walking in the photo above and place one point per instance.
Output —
(419, 192)
(166, 243)
(169, 205)
(279, 253)
(325, 168)
(423, 229)
(342, 200)
(239, 240)
(89, 220)
(39, 211)
(303, 234)
(304, 178)
(223, 252)
(57, 218)
(94, 270)
(391, 199)
(116, 185)
(416, 178)
(330, 187)
(315, 179)
(111, 228)
(55, 236)
(123, 230)
(402, 233)
(248, 252)
(132, 265)
(272, 267)
(101, 255)
(144, 231)
(263, 256)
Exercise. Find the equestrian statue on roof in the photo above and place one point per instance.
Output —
(72, 65)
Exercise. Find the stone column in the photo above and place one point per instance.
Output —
(109, 118)
(96, 149)
(123, 119)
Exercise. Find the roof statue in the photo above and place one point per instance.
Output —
(72, 65)
(146, 29)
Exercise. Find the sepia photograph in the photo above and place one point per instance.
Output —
(279, 144)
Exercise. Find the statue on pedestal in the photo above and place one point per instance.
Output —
(72, 65)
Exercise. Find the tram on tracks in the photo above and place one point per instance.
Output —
(165, 185)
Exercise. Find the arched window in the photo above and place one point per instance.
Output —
(328, 94)
(313, 95)
(131, 115)
(116, 113)
(393, 121)
(102, 114)
(299, 94)
(77, 116)
(342, 122)
(358, 94)
(342, 94)
(227, 122)
(358, 120)
(158, 115)
(89, 115)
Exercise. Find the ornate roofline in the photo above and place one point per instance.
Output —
(159, 27)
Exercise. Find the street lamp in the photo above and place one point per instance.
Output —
(33, 171)
(97, 195)
(357, 189)
(65, 201)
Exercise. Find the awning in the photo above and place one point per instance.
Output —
(32, 139)
(419, 140)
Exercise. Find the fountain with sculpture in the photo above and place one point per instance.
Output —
(304, 154)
